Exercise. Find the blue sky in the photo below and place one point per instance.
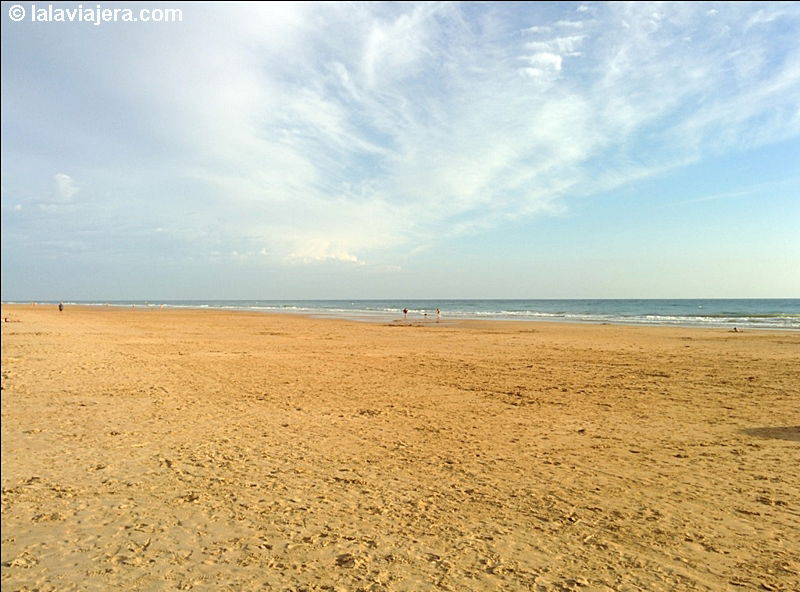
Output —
(434, 150)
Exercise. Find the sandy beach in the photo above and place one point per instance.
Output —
(148, 449)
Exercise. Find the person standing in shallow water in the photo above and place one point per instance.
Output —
(60, 307)
(405, 313)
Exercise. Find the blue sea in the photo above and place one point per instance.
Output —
(721, 313)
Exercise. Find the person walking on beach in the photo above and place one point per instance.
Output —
(60, 307)
(438, 315)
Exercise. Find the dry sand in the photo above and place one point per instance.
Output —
(205, 450)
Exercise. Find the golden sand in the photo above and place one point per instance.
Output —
(203, 450)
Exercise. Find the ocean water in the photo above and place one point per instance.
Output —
(739, 313)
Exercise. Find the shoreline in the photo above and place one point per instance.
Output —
(370, 317)
(199, 449)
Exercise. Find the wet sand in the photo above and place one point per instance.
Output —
(153, 449)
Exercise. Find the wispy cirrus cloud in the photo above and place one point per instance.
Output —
(349, 132)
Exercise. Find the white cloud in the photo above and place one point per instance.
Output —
(65, 186)
(322, 250)
(567, 24)
(569, 45)
(771, 13)
(543, 66)
(397, 137)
